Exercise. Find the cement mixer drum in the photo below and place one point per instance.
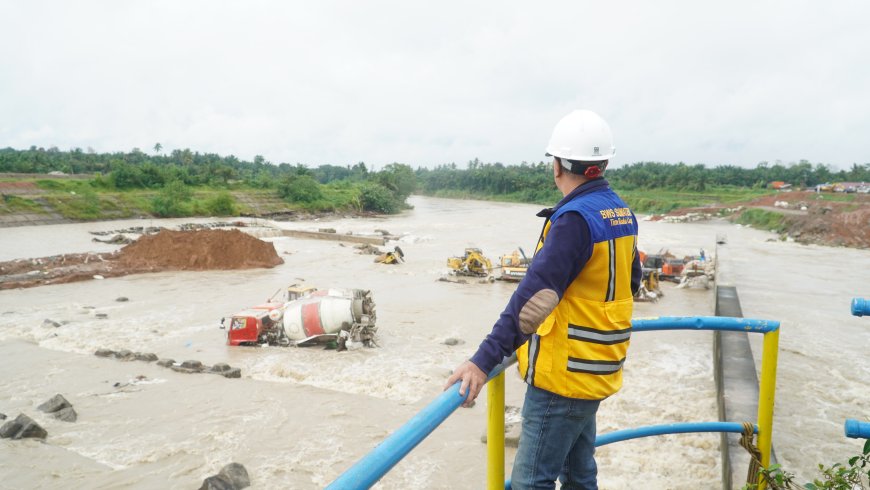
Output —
(343, 315)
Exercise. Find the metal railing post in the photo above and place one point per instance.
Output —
(766, 392)
(495, 433)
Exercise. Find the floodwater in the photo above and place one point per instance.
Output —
(300, 416)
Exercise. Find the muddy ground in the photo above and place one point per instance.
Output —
(163, 251)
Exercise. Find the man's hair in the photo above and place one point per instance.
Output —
(580, 167)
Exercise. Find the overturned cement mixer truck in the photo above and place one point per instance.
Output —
(308, 316)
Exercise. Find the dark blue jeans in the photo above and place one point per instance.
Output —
(557, 441)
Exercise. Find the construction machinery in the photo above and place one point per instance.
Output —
(514, 266)
(473, 263)
(394, 257)
(307, 316)
(649, 286)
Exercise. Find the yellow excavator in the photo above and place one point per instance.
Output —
(394, 257)
(473, 263)
(514, 266)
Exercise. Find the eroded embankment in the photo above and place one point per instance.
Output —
(806, 217)
(166, 250)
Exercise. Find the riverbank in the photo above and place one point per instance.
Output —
(25, 204)
(832, 219)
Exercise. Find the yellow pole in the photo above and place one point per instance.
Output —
(767, 390)
(495, 433)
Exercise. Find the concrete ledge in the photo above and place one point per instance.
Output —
(318, 235)
(736, 387)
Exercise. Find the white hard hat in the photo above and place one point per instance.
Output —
(582, 135)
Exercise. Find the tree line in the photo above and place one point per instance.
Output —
(530, 179)
(327, 187)
(332, 187)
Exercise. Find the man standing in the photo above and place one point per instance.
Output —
(569, 320)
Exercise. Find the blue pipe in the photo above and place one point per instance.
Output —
(374, 465)
(860, 306)
(704, 323)
(856, 429)
(657, 430)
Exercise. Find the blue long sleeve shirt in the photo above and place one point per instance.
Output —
(555, 266)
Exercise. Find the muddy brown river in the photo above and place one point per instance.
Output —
(298, 417)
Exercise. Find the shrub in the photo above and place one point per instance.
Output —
(300, 189)
(377, 198)
(172, 201)
(850, 476)
(765, 220)
(222, 204)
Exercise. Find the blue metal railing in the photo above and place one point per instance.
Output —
(658, 430)
(703, 323)
(854, 428)
(860, 306)
(373, 466)
(857, 429)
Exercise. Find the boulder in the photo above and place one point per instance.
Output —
(67, 414)
(237, 474)
(145, 356)
(219, 368)
(217, 482)
(189, 367)
(104, 353)
(192, 365)
(124, 355)
(50, 323)
(122, 299)
(23, 427)
(231, 477)
(232, 373)
(166, 362)
(55, 403)
(2, 416)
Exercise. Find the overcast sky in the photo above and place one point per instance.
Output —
(339, 82)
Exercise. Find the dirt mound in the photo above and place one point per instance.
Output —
(199, 250)
(167, 250)
(845, 228)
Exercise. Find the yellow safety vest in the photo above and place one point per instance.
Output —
(579, 349)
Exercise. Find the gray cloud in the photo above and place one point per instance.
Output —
(340, 82)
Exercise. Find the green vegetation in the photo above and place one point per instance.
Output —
(186, 183)
(13, 204)
(221, 204)
(836, 197)
(762, 219)
(854, 475)
(173, 200)
(666, 200)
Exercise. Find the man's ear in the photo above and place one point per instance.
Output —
(557, 167)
